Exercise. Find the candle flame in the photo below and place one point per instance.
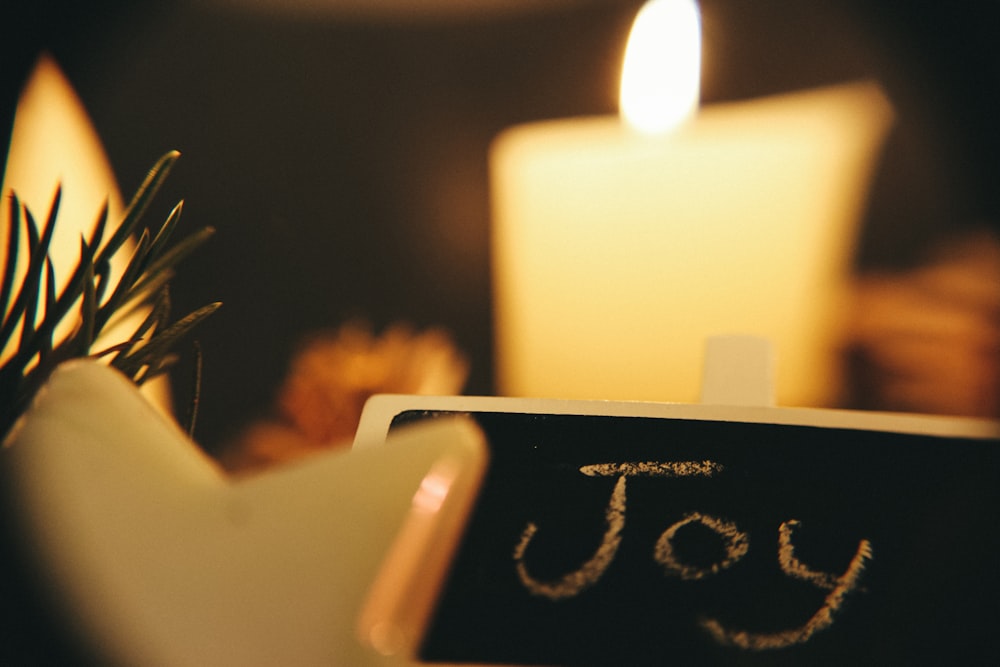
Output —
(661, 73)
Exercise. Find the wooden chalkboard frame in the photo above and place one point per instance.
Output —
(382, 411)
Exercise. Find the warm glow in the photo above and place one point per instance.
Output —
(616, 256)
(53, 142)
(433, 490)
(662, 70)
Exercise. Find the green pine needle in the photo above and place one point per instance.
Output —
(144, 284)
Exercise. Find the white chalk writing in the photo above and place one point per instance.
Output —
(590, 572)
(822, 619)
(736, 544)
(587, 575)
(652, 469)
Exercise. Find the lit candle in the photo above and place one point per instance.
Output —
(619, 247)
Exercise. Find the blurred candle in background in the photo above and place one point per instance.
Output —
(620, 245)
(53, 144)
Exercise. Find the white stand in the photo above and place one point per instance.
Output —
(739, 370)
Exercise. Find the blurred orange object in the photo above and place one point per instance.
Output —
(928, 340)
(319, 404)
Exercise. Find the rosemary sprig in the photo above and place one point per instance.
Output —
(90, 298)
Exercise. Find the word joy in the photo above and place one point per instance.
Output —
(736, 545)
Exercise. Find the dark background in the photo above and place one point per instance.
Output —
(343, 156)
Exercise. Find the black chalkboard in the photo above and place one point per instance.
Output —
(616, 540)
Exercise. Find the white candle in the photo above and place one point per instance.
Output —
(53, 144)
(617, 252)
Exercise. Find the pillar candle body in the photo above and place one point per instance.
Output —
(616, 254)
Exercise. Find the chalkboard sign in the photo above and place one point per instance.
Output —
(634, 534)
